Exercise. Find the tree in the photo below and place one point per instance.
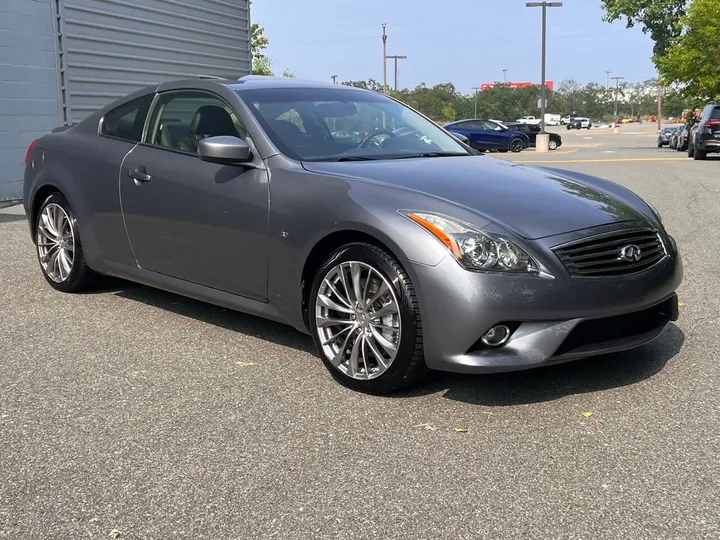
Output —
(659, 18)
(692, 57)
(261, 64)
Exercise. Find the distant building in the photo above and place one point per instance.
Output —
(485, 86)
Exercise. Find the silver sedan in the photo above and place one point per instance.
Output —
(399, 249)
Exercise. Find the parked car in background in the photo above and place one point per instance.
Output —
(705, 135)
(579, 123)
(397, 254)
(532, 131)
(664, 136)
(529, 120)
(674, 137)
(681, 143)
(552, 119)
(487, 135)
(566, 120)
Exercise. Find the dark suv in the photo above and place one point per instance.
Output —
(705, 135)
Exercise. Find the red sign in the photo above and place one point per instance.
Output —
(485, 86)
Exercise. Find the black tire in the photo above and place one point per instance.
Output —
(691, 151)
(553, 144)
(516, 145)
(408, 366)
(568, 127)
(699, 155)
(81, 277)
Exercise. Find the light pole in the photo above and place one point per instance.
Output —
(607, 85)
(617, 89)
(384, 40)
(397, 73)
(334, 78)
(543, 139)
(505, 76)
(476, 88)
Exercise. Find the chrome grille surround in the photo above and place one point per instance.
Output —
(600, 255)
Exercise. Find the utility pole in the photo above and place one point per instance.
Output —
(476, 88)
(543, 139)
(617, 90)
(397, 73)
(505, 76)
(659, 103)
(334, 78)
(384, 40)
(607, 84)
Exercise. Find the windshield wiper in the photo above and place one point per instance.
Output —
(431, 154)
(346, 158)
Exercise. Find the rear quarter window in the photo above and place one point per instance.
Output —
(127, 120)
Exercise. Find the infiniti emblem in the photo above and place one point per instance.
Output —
(630, 253)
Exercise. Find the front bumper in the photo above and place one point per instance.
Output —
(554, 320)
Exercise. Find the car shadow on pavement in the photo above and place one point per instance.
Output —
(9, 218)
(553, 382)
(225, 318)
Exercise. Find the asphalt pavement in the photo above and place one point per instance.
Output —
(138, 414)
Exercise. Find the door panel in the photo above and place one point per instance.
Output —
(201, 222)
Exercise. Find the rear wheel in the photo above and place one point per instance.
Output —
(699, 155)
(365, 320)
(58, 246)
(516, 145)
(691, 150)
(553, 144)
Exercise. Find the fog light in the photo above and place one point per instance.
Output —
(496, 336)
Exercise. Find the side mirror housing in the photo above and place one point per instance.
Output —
(461, 137)
(226, 150)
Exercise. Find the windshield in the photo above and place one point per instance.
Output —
(318, 124)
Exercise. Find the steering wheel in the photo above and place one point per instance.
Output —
(370, 136)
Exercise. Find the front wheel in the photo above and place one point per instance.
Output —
(553, 144)
(365, 320)
(517, 145)
(59, 250)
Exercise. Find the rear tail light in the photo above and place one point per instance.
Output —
(29, 151)
(711, 123)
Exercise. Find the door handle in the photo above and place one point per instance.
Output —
(140, 175)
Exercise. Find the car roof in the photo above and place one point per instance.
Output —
(248, 82)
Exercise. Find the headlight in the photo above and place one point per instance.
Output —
(475, 249)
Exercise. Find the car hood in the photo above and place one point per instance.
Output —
(529, 201)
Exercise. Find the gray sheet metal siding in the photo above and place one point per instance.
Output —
(28, 85)
(111, 47)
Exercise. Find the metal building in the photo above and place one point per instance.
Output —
(62, 59)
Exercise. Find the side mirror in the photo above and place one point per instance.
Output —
(224, 149)
(460, 136)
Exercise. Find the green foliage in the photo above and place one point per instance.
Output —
(693, 58)
(659, 18)
(444, 103)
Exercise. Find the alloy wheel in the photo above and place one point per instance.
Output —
(55, 243)
(517, 145)
(357, 317)
(553, 145)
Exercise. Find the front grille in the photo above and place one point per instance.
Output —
(600, 256)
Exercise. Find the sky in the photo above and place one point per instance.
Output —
(466, 42)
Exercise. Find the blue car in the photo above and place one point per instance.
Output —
(487, 135)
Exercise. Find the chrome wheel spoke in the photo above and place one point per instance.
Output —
(388, 309)
(49, 225)
(331, 304)
(383, 290)
(355, 274)
(335, 336)
(65, 264)
(327, 321)
(383, 341)
(338, 358)
(345, 301)
(378, 356)
(353, 367)
(363, 352)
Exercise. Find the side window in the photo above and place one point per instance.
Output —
(181, 119)
(715, 114)
(127, 121)
(462, 125)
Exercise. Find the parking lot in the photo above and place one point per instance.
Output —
(138, 414)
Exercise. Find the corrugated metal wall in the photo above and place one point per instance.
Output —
(62, 59)
(28, 85)
(111, 47)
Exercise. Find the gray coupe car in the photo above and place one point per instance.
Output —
(400, 252)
